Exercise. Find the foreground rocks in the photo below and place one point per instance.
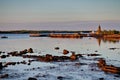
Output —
(108, 68)
(16, 53)
(1, 66)
(71, 63)
(73, 57)
(30, 50)
(31, 78)
(4, 76)
(50, 58)
(65, 51)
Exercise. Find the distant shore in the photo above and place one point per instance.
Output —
(41, 31)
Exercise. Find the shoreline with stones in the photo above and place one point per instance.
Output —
(101, 63)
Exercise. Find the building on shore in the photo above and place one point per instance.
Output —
(99, 31)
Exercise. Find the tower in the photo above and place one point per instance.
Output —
(98, 30)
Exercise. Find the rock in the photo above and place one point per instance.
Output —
(10, 63)
(14, 53)
(60, 77)
(79, 55)
(3, 56)
(96, 51)
(73, 56)
(23, 52)
(93, 55)
(4, 76)
(65, 51)
(57, 48)
(113, 48)
(28, 63)
(30, 50)
(77, 64)
(101, 63)
(101, 78)
(1, 66)
(23, 62)
(48, 58)
(31, 78)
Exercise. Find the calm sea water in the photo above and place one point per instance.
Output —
(46, 45)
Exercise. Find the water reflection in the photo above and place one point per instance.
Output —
(110, 40)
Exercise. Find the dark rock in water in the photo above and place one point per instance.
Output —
(3, 56)
(23, 52)
(73, 57)
(23, 62)
(117, 75)
(65, 51)
(79, 55)
(93, 54)
(108, 68)
(18, 62)
(77, 64)
(14, 53)
(96, 51)
(48, 58)
(57, 48)
(30, 50)
(60, 77)
(101, 78)
(1, 66)
(28, 63)
(4, 37)
(113, 48)
(4, 76)
(10, 63)
(31, 78)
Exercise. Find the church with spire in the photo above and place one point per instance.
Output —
(99, 31)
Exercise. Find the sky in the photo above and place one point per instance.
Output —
(28, 11)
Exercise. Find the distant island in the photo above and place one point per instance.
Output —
(99, 33)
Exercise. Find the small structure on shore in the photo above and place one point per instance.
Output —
(99, 31)
(97, 34)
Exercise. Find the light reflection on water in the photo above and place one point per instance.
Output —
(46, 45)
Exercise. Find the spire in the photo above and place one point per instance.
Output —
(99, 30)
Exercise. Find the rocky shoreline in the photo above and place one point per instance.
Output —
(75, 58)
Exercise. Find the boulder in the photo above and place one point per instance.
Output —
(23, 52)
(4, 76)
(48, 58)
(30, 50)
(60, 78)
(3, 56)
(73, 56)
(1, 66)
(65, 51)
(57, 48)
(31, 78)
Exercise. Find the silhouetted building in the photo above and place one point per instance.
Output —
(99, 30)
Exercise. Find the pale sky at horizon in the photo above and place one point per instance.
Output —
(15, 11)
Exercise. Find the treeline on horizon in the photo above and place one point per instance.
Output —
(55, 31)
(41, 31)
